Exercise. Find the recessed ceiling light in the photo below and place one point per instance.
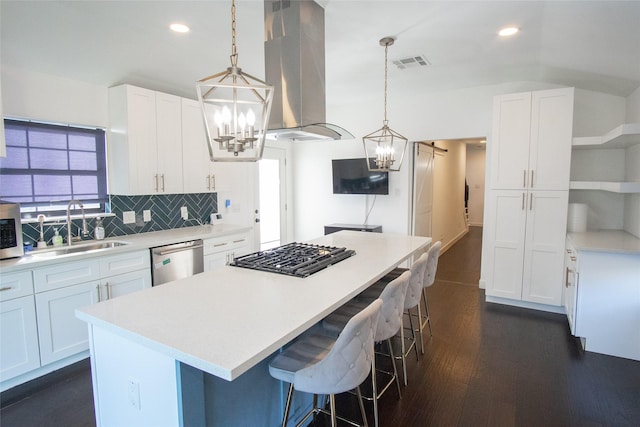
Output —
(179, 28)
(508, 31)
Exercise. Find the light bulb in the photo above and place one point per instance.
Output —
(251, 118)
(226, 115)
(242, 122)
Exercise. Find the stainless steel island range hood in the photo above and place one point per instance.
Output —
(294, 62)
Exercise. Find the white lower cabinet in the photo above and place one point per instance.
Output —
(220, 251)
(18, 327)
(604, 306)
(18, 337)
(60, 333)
(526, 240)
(571, 286)
(63, 288)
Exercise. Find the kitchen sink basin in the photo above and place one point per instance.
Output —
(75, 249)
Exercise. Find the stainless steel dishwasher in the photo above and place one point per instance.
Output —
(177, 261)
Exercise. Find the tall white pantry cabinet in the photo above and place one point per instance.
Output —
(527, 201)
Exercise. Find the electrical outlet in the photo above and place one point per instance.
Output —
(133, 393)
(184, 213)
(129, 217)
(146, 215)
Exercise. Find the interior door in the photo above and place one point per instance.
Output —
(272, 198)
(422, 190)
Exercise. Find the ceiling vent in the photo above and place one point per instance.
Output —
(412, 62)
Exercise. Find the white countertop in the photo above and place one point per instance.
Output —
(616, 241)
(133, 242)
(227, 320)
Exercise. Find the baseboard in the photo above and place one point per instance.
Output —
(454, 240)
(525, 304)
(45, 377)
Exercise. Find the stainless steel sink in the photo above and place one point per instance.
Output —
(74, 249)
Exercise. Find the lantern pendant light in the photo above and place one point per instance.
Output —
(384, 148)
(236, 108)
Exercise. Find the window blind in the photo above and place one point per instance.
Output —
(47, 165)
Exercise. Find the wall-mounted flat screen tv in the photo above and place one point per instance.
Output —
(351, 176)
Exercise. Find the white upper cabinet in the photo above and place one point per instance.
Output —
(197, 167)
(510, 141)
(531, 143)
(169, 143)
(145, 142)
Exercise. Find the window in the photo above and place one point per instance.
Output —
(47, 165)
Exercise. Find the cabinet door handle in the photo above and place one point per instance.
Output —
(213, 179)
(566, 277)
(108, 286)
(155, 177)
(530, 201)
(531, 178)
(208, 182)
(6, 288)
(522, 201)
(99, 296)
(524, 178)
(163, 183)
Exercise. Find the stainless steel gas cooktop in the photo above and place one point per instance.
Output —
(294, 259)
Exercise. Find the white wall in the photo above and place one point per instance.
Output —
(38, 96)
(632, 168)
(448, 221)
(476, 159)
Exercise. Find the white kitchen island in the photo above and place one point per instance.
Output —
(195, 351)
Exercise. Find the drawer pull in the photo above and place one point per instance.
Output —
(6, 288)
(531, 178)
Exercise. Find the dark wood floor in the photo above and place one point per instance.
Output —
(485, 365)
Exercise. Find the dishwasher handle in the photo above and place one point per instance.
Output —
(185, 248)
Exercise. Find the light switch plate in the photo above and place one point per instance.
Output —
(146, 215)
(184, 213)
(129, 217)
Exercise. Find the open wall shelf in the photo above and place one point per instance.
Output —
(622, 136)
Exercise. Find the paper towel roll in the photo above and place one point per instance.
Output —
(577, 217)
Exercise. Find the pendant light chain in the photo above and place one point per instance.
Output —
(234, 53)
(386, 48)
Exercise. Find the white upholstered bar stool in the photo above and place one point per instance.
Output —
(319, 364)
(433, 254)
(411, 303)
(428, 278)
(389, 324)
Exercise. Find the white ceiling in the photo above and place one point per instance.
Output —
(593, 45)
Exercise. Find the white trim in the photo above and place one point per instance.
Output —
(525, 304)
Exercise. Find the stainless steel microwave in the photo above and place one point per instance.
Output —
(10, 230)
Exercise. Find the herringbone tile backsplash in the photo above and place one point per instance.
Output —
(165, 215)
